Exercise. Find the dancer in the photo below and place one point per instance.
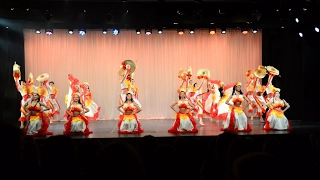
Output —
(38, 121)
(270, 89)
(250, 92)
(211, 99)
(94, 109)
(125, 73)
(223, 108)
(259, 90)
(275, 119)
(184, 121)
(77, 121)
(197, 100)
(128, 120)
(22, 89)
(74, 88)
(236, 119)
(52, 100)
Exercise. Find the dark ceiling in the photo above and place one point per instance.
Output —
(131, 14)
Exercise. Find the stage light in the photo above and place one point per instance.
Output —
(38, 31)
(104, 31)
(191, 31)
(244, 31)
(180, 31)
(47, 15)
(70, 31)
(223, 30)
(300, 34)
(297, 20)
(254, 31)
(82, 32)
(316, 29)
(304, 9)
(49, 31)
(160, 31)
(212, 31)
(148, 31)
(115, 31)
(138, 31)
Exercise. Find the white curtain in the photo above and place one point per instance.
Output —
(95, 58)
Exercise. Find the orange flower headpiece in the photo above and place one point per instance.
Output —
(238, 84)
(248, 73)
(221, 84)
(182, 90)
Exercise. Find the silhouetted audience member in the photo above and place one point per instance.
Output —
(147, 151)
(31, 156)
(258, 165)
(216, 168)
(11, 151)
(273, 146)
(118, 160)
(86, 152)
(59, 153)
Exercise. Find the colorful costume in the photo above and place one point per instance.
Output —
(211, 99)
(223, 108)
(129, 123)
(25, 97)
(258, 97)
(184, 122)
(38, 123)
(77, 124)
(275, 119)
(250, 91)
(94, 109)
(52, 100)
(236, 119)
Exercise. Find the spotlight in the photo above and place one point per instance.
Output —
(38, 31)
(180, 31)
(316, 29)
(191, 31)
(223, 30)
(297, 20)
(47, 15)
(300, 34)
(109, 17)
(82, 32)
(254, 31)
(212, 31)
(115, 31)
(148, 31)
(104, 31)
(138, 31)
(49, 31)
(244, 31)
(70, 31)
(160, 31)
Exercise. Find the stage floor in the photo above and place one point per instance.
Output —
(159, 128)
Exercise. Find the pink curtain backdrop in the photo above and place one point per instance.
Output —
(95, 58)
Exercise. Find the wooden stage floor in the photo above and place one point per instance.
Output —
(159, 128)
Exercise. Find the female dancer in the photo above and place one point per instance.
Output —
(223, 108)
(22, 89)
(77, 121)
(197, 100)
(184, 121)
(250, 92)
(236, 120)
(38, 120)
(128, 120)
(94, 109)
(275, 119)
(52, 100)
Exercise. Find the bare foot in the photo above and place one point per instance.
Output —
(21, 127)
(251, 118)
(201, 123)
(261, 120)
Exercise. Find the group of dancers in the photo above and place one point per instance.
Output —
(220, 102)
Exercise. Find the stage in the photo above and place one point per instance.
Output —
(105, 129)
